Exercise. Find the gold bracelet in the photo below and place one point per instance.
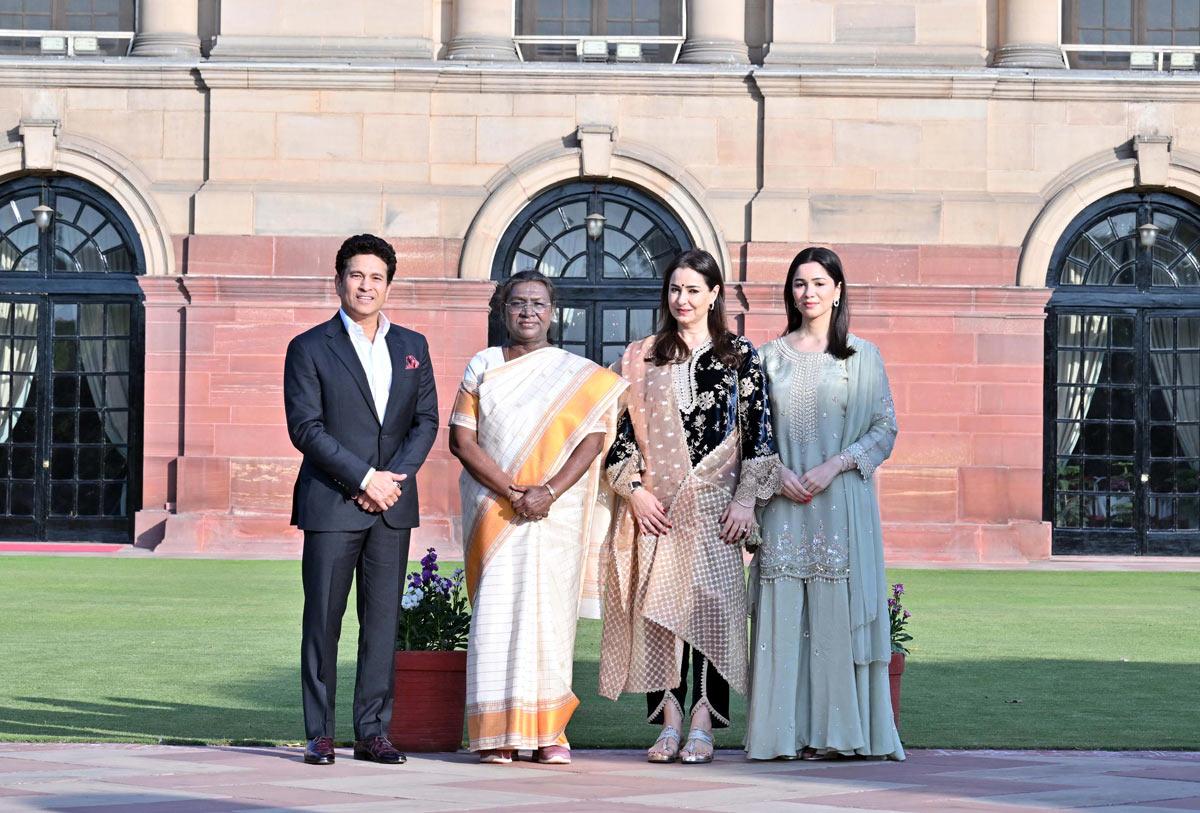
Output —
(550, 488)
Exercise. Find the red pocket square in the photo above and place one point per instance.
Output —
(411, 363)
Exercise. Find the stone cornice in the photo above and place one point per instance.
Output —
(128, 72)
(976, 83)
(679, 80)
(448, 77)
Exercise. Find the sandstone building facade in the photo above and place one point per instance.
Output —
(1012, 184)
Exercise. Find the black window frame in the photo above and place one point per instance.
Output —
(49, 288)
(1141, 302)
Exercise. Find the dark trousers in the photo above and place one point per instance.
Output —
(377, 558)
(708, 687)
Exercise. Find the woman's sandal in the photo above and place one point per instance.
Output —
(669, 752)
(496, 756)
(689, 755)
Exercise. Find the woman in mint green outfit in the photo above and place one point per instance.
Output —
(821, 636)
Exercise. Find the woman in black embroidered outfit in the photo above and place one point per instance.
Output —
(694, 456)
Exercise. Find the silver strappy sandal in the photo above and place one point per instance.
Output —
(669, 735)
(689, 755)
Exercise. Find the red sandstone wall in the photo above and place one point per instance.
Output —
(964, 351)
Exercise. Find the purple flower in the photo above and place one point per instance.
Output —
(891, 603)
(458, 573)
(898, 589)
(907, 615)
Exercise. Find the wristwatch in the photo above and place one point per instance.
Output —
(634, 486)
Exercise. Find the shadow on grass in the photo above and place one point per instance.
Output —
(950, 704)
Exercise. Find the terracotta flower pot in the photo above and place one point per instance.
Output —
(895, 672)
(431, 692)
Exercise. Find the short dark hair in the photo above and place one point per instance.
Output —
(365, 244)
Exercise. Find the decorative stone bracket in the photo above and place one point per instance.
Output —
(1153, 159)
(596, 143)
(39, 139)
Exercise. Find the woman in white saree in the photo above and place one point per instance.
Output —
(528, 425)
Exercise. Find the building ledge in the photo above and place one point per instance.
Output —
(559, 78)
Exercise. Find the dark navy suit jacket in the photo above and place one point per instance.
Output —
(331, 419)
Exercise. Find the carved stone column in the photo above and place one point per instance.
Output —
(1029, 37)
(716, 32)
(167, 28)
(482, 31)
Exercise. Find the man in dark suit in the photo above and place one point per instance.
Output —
(362, 408)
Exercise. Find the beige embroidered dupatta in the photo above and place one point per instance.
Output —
(686, 585)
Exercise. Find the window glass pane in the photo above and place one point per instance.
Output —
(1090, 13)
(614, 325)
(1187, 13)
(1118, 13)
(641, 323)
(1158, 13)
(572, 324)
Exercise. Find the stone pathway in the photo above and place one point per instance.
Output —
(175, 779)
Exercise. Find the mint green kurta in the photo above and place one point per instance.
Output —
(820, 644)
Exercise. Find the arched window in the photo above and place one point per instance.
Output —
(1122, 439)
(70, 363)
(608, 287)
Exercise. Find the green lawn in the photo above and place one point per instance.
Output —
(148, 650)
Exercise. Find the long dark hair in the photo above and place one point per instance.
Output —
(839, 326)
(669, 346)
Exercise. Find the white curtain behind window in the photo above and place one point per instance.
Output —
(91, 323)
(18, 356)
(1078, 367)
(1187, 407)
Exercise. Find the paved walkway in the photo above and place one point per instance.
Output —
(151, 778)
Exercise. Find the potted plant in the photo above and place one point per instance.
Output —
(431, 660)
(900, 637)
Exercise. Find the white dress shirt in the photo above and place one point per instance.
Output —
(377, 364)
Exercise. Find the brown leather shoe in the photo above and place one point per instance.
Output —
(378, 749)
(319, 751)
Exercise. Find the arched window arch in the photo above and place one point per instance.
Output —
(608, 287)
(71, 361)
(1122, 433)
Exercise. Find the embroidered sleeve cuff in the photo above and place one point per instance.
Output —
(760, 480)
(622, 475)
(861, 460)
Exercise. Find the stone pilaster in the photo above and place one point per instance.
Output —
(716, 32)
(1030, 35)
(482, 31)
(167, 28)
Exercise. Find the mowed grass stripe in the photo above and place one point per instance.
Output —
(148, 650)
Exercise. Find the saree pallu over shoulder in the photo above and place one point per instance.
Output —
(527, 579)
(685, 585)
(529, 415)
